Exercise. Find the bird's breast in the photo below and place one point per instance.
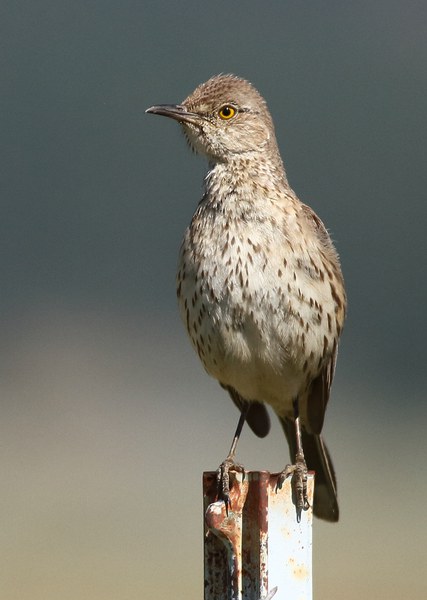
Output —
(251, 302)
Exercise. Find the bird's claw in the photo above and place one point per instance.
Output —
(299, 482)
(223, 479)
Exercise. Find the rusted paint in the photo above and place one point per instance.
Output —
(259, 545)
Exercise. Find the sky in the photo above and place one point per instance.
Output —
(107, 418)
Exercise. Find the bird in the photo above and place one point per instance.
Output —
(259, 283)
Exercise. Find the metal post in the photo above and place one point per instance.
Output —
(259, 545)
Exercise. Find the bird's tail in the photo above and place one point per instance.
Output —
(318, 459)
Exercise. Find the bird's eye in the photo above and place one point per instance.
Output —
(227, 112)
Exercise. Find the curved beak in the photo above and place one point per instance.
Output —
(175, 111)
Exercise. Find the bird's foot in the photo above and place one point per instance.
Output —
(223, 479)
(299, 482)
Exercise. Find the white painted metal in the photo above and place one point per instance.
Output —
(259, 545)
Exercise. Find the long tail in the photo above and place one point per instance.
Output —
(318, 459)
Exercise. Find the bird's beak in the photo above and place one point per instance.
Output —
(175, 111)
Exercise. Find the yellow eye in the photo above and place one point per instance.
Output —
(227, 112)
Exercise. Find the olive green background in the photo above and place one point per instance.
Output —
(107, 420)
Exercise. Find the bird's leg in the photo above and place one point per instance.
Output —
(297, 470)
(223, 471)
(300, 473)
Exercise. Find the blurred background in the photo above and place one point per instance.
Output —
(107, 419)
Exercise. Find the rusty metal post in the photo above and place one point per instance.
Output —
(259, 545)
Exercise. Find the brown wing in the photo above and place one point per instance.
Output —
(329, 252)
(318, 394)
(257, 416)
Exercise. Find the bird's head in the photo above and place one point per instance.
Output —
(223, 118)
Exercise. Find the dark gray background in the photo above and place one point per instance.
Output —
(107, 418)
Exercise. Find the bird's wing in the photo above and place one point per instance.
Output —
(257, 416)
(317, 225)
(318, 394)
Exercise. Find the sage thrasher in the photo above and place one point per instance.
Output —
(259, 282)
